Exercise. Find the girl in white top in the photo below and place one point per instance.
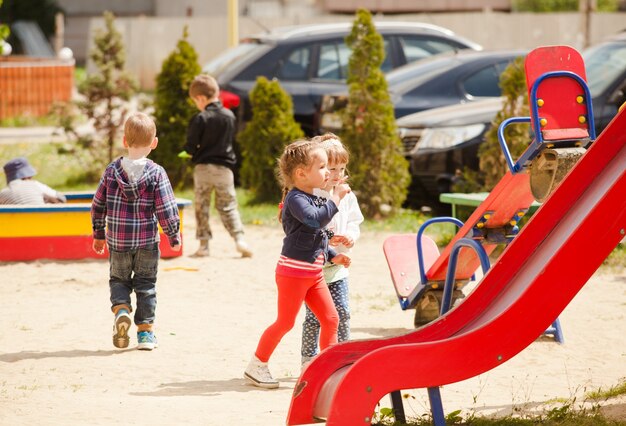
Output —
(343, 231)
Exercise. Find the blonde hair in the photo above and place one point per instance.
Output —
(336, 151)
(139, 130)
(204, 85)
(295, 155)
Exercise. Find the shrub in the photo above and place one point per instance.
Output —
(379, 172)
(262, 141)
(173, 109)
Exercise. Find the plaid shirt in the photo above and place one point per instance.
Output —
(130, 210)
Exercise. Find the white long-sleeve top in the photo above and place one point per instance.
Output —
(346, 222)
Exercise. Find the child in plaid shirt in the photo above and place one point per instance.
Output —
(134, 196)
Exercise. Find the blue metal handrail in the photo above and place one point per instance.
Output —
(535, 120)
(505, 149)
(534, 108)
(420, 254)
(454, 255)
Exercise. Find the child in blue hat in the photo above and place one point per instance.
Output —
(23, 189)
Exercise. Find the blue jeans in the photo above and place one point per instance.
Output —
(311, 326)
(135, 270)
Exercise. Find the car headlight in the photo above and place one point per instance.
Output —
(447, 137)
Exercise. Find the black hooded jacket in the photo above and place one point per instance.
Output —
(210, 136)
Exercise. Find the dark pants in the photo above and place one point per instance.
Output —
(135, 270)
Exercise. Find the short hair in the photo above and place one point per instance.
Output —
(204, 85)
(139, 130)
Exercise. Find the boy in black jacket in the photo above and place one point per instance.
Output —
(210, 138)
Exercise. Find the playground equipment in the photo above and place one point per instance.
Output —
(541, 270)
(562, 131)
(57, 231)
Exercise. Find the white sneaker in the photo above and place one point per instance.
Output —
(243, 248)
(259, 374)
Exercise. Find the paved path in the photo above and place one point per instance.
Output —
(43, 134)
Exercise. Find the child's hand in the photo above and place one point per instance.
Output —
(342, 259)
(98, 246)
(342, 239)
(176, 247)
(341, 190)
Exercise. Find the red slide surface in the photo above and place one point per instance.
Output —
(536, 277)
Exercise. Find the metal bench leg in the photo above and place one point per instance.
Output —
(558, 332)
(398, 407)
(436, 407)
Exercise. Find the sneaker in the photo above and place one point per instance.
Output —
(259, 374)
(243, 248)
(146, 340)
(120, 329)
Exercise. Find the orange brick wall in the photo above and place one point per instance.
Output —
(29, 86)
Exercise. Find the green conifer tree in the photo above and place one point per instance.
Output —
(378, 170)
(108, 90)
(262, 141)
(173, 109)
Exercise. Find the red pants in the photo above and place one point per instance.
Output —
(292, 291)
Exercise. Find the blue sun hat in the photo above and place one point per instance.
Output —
(18, 168)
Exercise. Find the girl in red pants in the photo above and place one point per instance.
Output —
(302, 167)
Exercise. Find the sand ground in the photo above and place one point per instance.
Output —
(58, 365)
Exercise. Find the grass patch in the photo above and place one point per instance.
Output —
(29, 121)
(57, 167)
(612, 392)
(557, 412)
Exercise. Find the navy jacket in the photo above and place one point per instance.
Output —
(304, 217)
(210, 136)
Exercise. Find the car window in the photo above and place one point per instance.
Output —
(295, 66)
(415, 48)
(485, 82)
(334, 58)
(333, 62)
(604, 64)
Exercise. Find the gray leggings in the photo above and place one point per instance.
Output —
(311, 326)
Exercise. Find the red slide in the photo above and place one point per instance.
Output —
(536, 277)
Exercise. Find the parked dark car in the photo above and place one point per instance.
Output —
(446, 79)
(311, 61)
(439, 142)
